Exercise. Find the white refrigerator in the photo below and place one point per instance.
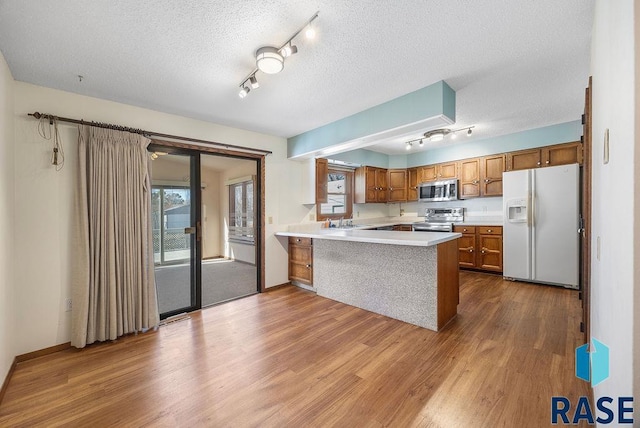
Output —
(541, 221)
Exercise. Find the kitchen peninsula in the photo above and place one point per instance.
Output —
(409, 276)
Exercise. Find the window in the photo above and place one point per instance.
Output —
(339, 195)
(241, 216)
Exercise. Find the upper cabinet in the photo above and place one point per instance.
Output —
(322, 177)
(412, 184)
(559, 154)
(441, 171)
(397, 180)
(481, 176)
(371, 185)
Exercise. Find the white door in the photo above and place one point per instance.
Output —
(516, 240)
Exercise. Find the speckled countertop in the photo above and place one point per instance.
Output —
(415, 239)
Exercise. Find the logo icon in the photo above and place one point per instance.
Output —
(592, 366)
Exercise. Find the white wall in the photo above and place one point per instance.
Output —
(615, 187)
(211, 238)
(44, 200)
(7, 241)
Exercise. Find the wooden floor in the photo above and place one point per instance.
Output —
(291, 358)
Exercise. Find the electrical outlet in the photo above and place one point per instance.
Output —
(270, 220)
(68, 304)
(357, 214)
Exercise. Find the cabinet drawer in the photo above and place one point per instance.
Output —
(294, 240)
(464, 229)
(490, 230)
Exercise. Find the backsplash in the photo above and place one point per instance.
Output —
(476, 208)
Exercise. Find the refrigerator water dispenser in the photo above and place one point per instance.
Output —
(517, 211)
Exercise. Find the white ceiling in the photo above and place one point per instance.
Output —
(515, 65)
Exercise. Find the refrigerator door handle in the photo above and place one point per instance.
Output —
(533, 225)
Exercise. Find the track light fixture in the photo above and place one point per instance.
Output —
(437, 135)
(270, 60)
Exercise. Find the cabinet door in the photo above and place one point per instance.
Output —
(397, 180)
(412, 184)
(469, 178)
(467, 250)
(322, 178)
(490, 256)
(382, 194)
(562, 154)
(524, 159)
(428, 173)
(301, 260)
(447, 170)
(371, 184)
(491, 169)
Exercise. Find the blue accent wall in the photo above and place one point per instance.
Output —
(432, 101)
(532, 138)
(538, 137)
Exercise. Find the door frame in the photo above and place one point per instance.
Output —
(172, 147)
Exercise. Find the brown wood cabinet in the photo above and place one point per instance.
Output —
(559, 154)
(322, 180)
(397, 181)
(441, 171)
(481, 176)
(301, 260)
(371, 185)
(403, 227)
(480, 247)
(412, 184)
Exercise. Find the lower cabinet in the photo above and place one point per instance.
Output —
(403, 227)
(301, 260)
(480, 247)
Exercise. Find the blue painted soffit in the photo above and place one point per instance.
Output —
(430, 107)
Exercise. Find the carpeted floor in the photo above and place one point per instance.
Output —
(221, 280)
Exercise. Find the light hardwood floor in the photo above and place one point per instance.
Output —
(291, 358)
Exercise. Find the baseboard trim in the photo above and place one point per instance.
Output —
(30, 356)
(277, 287)
(5, 384)
(42, 352)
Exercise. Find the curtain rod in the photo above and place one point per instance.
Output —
(51, 117)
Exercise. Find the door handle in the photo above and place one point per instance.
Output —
(189, 230)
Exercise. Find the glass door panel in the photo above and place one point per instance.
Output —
(174, 232)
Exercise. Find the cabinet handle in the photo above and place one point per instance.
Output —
(309, 266)
(483, 250)
(487, 180)
(390, 188)
(297, 239)
(475, 182)
(489, 230)
(548, 162)
(471, 250)
(538, 163)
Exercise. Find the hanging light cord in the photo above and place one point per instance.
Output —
(45, 124)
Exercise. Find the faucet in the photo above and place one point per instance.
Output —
(340, 221)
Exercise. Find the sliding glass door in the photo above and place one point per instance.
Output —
(206, 229)
(176, 230)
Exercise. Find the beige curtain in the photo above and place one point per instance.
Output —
(114, 288)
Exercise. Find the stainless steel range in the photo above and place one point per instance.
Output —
(439, 220)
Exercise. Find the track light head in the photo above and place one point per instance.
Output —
(469, 132)
(408, 146)
(288, 50)
(254, 82)
(311, 32)
(421, 143)
(244, 91)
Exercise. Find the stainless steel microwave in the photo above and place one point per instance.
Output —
(435, 191)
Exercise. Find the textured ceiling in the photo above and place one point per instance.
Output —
(515, 65)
